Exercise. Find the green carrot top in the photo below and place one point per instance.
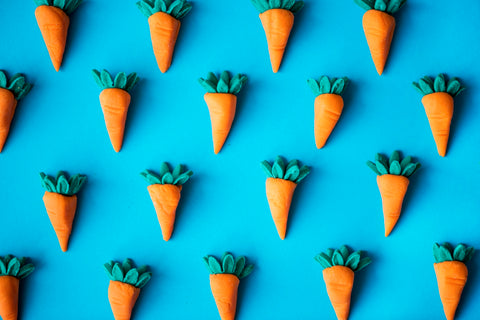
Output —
(121, 80)
(223, 84)
(228, 265)
(387, 6)
(325, 85)
(68, 6)
(15, 267)
(292, 171)
(16, 84)
(165, 176)
(62, 184)
(427, 85)
(445, 252)
(291, 5)
(342, 257)
(126, 272)
(395, 165)
(176, 8)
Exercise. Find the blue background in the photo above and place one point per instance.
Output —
(59, 125)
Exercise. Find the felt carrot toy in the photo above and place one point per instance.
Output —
(328, 105)
(379, 27)
(221, 99)
(280, 185)
(225, 276)
(339, 267)
(451, 273)
(393, 179)
(277, 20)
(126, 281)
(164, 189)
(60, 200)
(164, 19)
(12, 270)
(11, 91)
(53, 21)
(115, 100)
(437, 100)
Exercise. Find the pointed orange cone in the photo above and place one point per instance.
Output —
(9, 297)
(115, 103)
(279, 196)
(339, 282)
(122, 297)
(392, 189)
(225, 289)
(164, 31)
(328, 109)
(8, 105)
(61, 211)
(222, 107)
(165, 198)
(451, 278)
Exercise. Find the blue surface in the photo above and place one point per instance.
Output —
(59, 125)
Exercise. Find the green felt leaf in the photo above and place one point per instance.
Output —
(304, 172)
(117, 272)
(353, 261)
(363, 263)
(208, 85)
(324, 260)
(275, 4)
(183, 178)
(441, 253)
(344, 252)
(164, 169)
(228, 264)
(167, 178)
(62, 185)
(260, 5)
(177, 171)
(239, 265)
(144, 8)
(223, 83)
(325, 86)
(3, 268)
(277, 169)
(380, 5)
(395, 5)
(127, 265)
(313, 84)
(98, 78)
(131, 277)
(267, 168)
(292, 173)
(108, 269)
(454, 86)
(184, 11)
(365, 4)
(106, 79)
(460, 252)
(417, 86)
(3, 80)
(68, 6)
(132, 80)
(25, 271)
(215, 267)
(426, 87)
(142, 269)
(212, 77)
(13, 267)
(382, 159)
(405, 162)
(339, 86)
(120, 80)
(17, 85)
(394, 157)
(373, 166)
(439, 84)
(143, 279)
(381, 167)
(246, 271)
(337, 259)
(395, 168)
(297, 7)
(409, 170)
(469, 254)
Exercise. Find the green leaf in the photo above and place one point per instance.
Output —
(215, 267)
(324, 260)
(324, 85)
(13, 267)
(292, 173)
(441, 253)
(25, 271)
(3, 268)
(469, 254)
(425, 86)
(304, 172)
(278, 167)
(237, 83)
(380, 5)
(62, 185)
(127, 265)
(394, 157)
(439, 84)
(106, 79)
(183, 178)
(223, 85)
(228, 264)
(108, 268)
(164, 169)
(313, 84)
(246, 271)
(177, 171)
(239, 265)
(353, 261)
(453, 86)
(339, 86)
(117, 272)
(120, 80)
(132, 80)
(143, 279)
(395, 168)
(345, 252)
(275, 4)
(337, 259)
(365, 4)
(3, 80)
(167, 178)
(363, 263)
(131, 277)
(381, 167)
(297, 7)
(185, 10)
(267, 168)
(373, 166)
(460, 252)
(382, 159)
(417, 86)
(409, 170)
(406, 161)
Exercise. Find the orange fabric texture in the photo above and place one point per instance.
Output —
(224, 289)
(451, 279)
(53, 24)
(222, 107)
(165, 198)
(328, 109)
(339, 282)
(379, 28)
(439, 110)
(122, 297)
(9, 297)
(115, 103)
(8, 104)
(61, 211)
(164, 31)
(279, 196)
(392, 189)
(278, 24)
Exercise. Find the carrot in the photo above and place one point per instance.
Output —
(328, 106)
(277, 20)
(115, 101)
(221, 99)
(392, 180)
(61, 203)
(451, 273)
(339, 267)
(164, 190)
(280, 186)
(53, 21)
(438, 101)
(125, 285)
(225, 276)
(12, 270)
(164, 21)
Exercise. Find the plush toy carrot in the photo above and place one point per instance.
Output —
(115, 100)
(277, 20)
(53, 21)
(164, 189)
(164, 19)
(379, 26)
(225, 276)
(328, 105)
(11, 90)
(437, 99)
(221, 99)
(339, 267)
(60, 200)
(393, 179)
(12, 270)
(451, 273)
(281, 183)
(126, 281)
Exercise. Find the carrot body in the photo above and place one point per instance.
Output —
(8, 105)
(339, 282)
(439, 110)
(164, 32)
(279, 195)
(165, 198)
(53, 24)
(392, 189)
(122, 297)
(222, 107)
(61, 211)
(379, 28)
(451, 279)
(224, 289)
(277, 24)
(328, 109)
(115, 103)
(8, 297)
